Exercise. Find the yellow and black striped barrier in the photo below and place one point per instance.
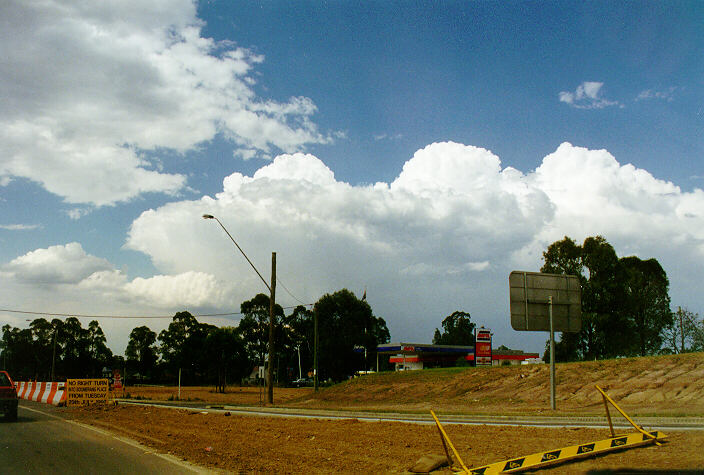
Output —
(565, 454)
(550, 457)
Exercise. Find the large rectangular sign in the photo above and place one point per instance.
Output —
(529, 293)
(82, 392)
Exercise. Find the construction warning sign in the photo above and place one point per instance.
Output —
(82, 392)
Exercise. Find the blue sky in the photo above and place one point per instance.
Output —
(485, 73)
(420, 149)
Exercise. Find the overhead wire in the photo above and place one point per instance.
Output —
(289, 292)
(78, 315)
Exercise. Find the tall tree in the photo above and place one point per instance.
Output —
(346, 322)
(183, 346)
(647, 303)
(141, 352)
(226, 356)
(685, 333)
(254, 326)
(294, 340)
(100, 354)
(613, 322)
(44, 342)
(458, 329)
(75, 342)
(18, 355)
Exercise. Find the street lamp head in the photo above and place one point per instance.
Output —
(208, 216)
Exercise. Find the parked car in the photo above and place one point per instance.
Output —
(8, 397)
(302, 382)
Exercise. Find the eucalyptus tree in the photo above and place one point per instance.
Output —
(625, 302)
(458, 329)
(348, 329)
(141, 352)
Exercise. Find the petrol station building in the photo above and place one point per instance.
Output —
(410, 356)
(413, 356)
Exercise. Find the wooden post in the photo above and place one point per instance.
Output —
(272, 300)
(552, 356)
(315, 350)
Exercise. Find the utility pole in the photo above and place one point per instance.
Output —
(272, 304)
(53, 358)
(679, 312)
(315, 350)
(300, 372)
(270, 372)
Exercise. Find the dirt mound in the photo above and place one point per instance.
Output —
(666, 385)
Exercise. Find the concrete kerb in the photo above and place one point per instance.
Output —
(597, 422)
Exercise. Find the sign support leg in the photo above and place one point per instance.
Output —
(552, 356)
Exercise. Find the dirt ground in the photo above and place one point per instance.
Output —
(256, 444)
(663, 386)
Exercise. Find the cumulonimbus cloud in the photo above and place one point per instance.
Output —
(440, 237)
(452, 215)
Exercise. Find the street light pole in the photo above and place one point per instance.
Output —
(272, 304)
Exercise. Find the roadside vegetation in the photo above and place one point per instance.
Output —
(626, 312)
(668, 385)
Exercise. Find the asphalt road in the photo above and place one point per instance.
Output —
(42, 441)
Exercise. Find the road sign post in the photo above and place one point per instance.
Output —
(545, 302)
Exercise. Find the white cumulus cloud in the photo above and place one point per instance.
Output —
(587, 96)
(442, 236)
(189, 289)
(89, 89)
(68, 264)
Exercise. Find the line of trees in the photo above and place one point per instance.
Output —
(56, 347)
(349, 333)
(625, 304)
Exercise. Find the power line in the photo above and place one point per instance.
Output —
(77, 315)
(289, 292)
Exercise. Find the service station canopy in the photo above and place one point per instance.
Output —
(529, 293)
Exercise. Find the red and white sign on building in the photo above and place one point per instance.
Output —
(482, 347)
(116, 379)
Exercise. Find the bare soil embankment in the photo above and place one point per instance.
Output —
(663, 385)
(669, 385)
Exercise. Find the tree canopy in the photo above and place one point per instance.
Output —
(254, 326)
(346, 324)
(458, 329)
(73, 351)
(625, 301)
(685, 333)
(141, 352)
(348, 331)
